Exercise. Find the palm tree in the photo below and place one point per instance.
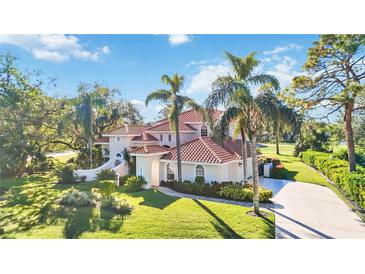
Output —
(86, 108)
(175, 102)
(283, 119)
(233, 93)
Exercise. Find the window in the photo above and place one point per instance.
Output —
(118, 139)
(203, 131)
(169, 137)
(199, 171)
(170, 174)
(161, 137)
(140, 171)
(119, 155)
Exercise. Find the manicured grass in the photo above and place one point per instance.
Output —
(293, 169)
(30, 211)
(66, 157)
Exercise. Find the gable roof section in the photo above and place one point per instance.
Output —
(145, 137)
(201, 149)
(149, 149)
(127, 130)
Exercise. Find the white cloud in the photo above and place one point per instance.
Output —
(54, 47)
(207, 74)
(284, 71)
(278, 50)
(138, 103)
(178, 39)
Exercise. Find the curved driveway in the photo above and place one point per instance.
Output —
(304, 210)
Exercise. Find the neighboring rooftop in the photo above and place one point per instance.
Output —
(149, 149)
(127, 130)
(201, 149)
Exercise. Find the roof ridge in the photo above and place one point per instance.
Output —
(209, 148)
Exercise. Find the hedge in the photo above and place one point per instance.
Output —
(226, 190)
(352, 184)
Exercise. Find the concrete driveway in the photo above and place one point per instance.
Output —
(304, 210)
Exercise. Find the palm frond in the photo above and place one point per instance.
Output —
(160, 94)
(262, 79)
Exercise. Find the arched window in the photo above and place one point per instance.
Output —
(169, 137)
(119, 155)
(170, 174)
(203, 131)
(166, 146)
(199, 171)
(161, 137)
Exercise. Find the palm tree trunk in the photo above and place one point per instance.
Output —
(90, 143)
(178, 152)
(350, 136)
(255, 184)
(244, 156)
(277, 142)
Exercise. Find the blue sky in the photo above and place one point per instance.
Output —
(134, 64)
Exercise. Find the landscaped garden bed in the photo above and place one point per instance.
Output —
(224, 190)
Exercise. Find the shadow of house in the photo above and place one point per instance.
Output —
(222, 228)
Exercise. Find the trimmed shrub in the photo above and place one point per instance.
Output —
(76, 198)
(227, 190)
(106, 174)
(241, 193)
(66, 175)
(352, 184)
(135, 183)
(199, 180)
(106, 187)
(123, 179)
(117, 205)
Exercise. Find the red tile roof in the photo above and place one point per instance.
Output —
(193, 116)
(127, 130)
(165, 126)
(234, 146)
(201, 149)
(145, 137)
(149, 149)
(102, 140)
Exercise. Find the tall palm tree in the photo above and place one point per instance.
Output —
(175, 102)
(233, 93)
(283, 119)
(86, 107)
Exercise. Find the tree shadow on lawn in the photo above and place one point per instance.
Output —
(154, 198)
(91, 219)
(223, 229)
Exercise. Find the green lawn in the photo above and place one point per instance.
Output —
(30, 211)
(294, 169)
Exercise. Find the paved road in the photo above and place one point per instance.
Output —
(304, 210)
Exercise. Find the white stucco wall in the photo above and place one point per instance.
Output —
(116, 146)
(149, 167)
